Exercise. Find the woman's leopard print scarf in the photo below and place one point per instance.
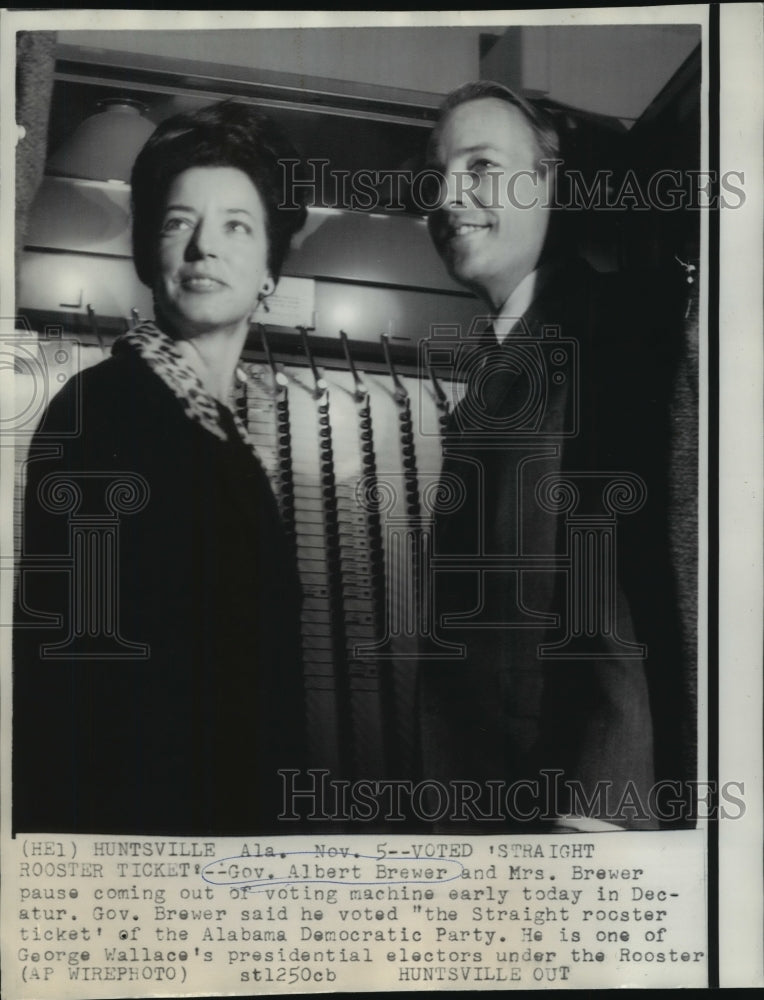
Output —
(163, 357)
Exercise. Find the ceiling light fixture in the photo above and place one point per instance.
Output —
(105, 145)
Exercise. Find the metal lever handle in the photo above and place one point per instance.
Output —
(94, 326)
(92, 320)
(441, 398)
(320, 384)
(401, 396)
(361, 392)
(279, 379)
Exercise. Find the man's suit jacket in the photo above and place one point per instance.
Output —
(559, 452)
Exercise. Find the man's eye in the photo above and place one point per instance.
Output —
(481, 166)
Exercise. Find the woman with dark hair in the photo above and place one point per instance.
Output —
(163, 692)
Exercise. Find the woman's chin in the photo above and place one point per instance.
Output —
(188, 324)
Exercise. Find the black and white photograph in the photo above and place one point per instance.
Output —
(373, 506)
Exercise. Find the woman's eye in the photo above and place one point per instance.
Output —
(237, 226)
(175, 224)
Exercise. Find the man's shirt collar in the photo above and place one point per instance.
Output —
(520, 300)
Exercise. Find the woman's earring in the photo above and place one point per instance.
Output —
(269, 287)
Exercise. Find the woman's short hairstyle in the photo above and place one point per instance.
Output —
(543, 128)
(222, 135)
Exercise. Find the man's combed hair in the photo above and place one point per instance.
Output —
(222, 135)
(544, 130)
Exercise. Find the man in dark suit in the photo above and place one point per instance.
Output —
(551, 573)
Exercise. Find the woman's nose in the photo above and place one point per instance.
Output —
(202, 243)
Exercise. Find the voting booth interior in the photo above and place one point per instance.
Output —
(345, 385)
